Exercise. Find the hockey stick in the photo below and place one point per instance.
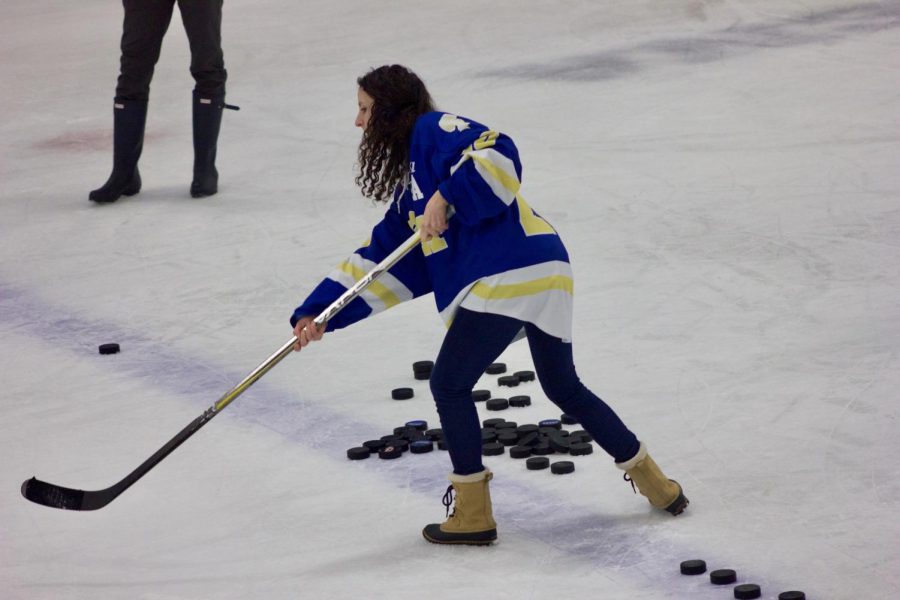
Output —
(56, 496)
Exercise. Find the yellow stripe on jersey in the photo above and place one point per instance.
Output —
(378, 289)
(526, 288)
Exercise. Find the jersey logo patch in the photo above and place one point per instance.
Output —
(451, 123)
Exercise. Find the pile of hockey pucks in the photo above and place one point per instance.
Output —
(535, 442)
(412, 436)
(744, 591)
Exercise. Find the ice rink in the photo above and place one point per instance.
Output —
(726, 177)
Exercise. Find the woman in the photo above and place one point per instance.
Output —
(497, 269)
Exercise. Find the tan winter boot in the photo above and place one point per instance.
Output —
(662, 492)
(472, 520)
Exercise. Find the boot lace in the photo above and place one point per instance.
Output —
(447, 500)
(631, 481)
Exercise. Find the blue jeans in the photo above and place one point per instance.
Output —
(473, 342)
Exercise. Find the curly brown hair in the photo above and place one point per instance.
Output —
(400, 98)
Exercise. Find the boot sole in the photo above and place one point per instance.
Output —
(681, 502)
(478, 538)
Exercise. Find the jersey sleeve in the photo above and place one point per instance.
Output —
(405, 280)
(483, 178)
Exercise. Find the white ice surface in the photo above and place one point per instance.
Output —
(725, 173)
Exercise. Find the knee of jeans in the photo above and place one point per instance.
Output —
(563, 394)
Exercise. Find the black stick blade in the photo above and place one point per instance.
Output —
(54, 496)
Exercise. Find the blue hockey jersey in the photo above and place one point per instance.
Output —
(497, 255)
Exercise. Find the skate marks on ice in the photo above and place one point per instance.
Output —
(814, 27)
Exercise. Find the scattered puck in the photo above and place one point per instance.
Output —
(529, 439)
(493, 422)
(723, 576)
(542, 449)
(418, 424)
(508, 380)
(559, 443)
(421, 446)
(496, 368)
(693, 567)
(423, 366)
(747, 591)
(792, 595)
(442, 445)
(520, 401)
(402, 393)
(536, 463)
(562, 467)
(434, 434)
(581, 449)
(481, 395)
(525, 375)
(497, 404)
(400, 444)
(580, 435)
(508, 438)
(358, 453)
(568, 419)
(109, 348)
(422, 375)
(488, 436)
(493, 449)
(506, 425)
(389, 452)
(374, 445)
(554, 423)
(527, 428)
(520, 451)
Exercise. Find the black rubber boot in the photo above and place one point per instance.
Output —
(207, 121)
(129, 118)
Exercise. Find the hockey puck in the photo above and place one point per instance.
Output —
(422, 375)
(792, 595)
(520, 401)
(400, 444)
(508, 380)
(542, 449)
(423, 366)
(493, 449)
(442, 445)
(520, 452)
(374, 445)
(496, 368)
(390, 452)
(562, 467)
(693, 567)
(529, 439)
(580, 449)
(418, 424)
(506, 425)
(536, 463)
(403, 393)
(497, 404)
(488, 435)
(112, 348)
(524, 375)
(747, 591)
(421, 446)
(580, 435)
(723, 576)
(559, 443)
(434, 434)
(358, 453)
(507, 438)
(526, 429)
(492, 422)
(554, 423)
(481, 395)
(568, 419)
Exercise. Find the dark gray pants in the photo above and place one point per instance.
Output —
(146, 22)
